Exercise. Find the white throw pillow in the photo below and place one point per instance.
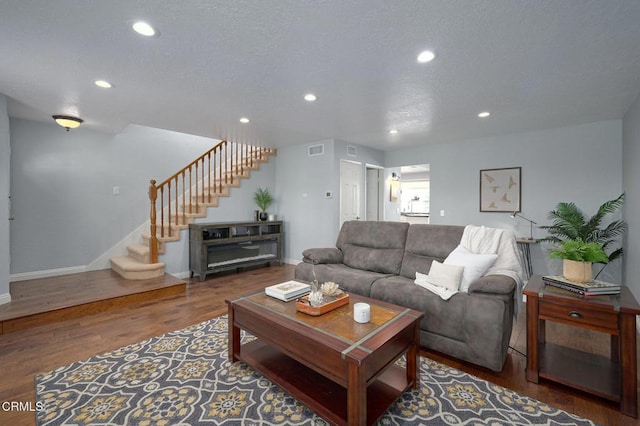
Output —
(475, 265)
(447, 276)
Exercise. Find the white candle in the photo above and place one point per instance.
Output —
(361, 312)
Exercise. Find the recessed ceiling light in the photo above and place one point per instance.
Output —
(393, 131)
(244, 120)
(310, 97)
(144, 29)
(103, 83)
(426, 56)
(484, 114)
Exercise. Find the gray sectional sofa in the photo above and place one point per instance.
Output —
(380, 260)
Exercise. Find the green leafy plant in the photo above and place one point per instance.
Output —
(569, 223)
(579, 251)
(263, 199)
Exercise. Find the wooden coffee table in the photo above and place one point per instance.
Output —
(342, 370)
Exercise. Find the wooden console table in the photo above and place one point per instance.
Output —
(216, 247)
(613, 378)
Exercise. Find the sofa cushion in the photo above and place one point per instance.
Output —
(349, 279)
(445, 317)
(373, 246)
(426, 243)
(475, 265)
(441, 275)
(476, 329)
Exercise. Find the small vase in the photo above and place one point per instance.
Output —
(579, 272)
(264, 216)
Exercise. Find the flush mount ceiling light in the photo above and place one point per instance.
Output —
(244, 120)
(67, 122)
(426, 56)
(310, 97)
(484, 114)
(103, 83)
(144, 29)
(393, 131)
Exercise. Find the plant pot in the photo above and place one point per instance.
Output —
(264, 216)
(579, 272)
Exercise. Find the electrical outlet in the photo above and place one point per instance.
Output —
(116, 190)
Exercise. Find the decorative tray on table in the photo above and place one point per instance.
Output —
(331, 303)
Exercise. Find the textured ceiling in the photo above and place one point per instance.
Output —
(534, 64)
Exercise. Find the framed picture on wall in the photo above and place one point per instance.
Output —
(500, 190)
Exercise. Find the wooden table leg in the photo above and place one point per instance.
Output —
(628, 366)
(413, 363)
(533, 334)
(356, 396)
(234, 338)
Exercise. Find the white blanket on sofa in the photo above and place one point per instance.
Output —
(485, 240)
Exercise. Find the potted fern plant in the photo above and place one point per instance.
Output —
(578, 258)
(573, 232)
(263, 199)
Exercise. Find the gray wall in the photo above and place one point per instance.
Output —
(66, 214)
(301, 182)
(5, 155)
(631, 178)
(578, 163)
(311, 220)
(61, 185)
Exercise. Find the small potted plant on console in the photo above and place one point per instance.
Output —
(263, 199)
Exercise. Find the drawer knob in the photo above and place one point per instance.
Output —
(574, 314)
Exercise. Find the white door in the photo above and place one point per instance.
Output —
(350, 184)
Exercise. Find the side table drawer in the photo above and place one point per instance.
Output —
(581, 315)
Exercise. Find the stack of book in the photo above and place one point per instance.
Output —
(592, 288)
(288, 291)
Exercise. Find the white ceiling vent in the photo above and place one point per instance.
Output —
(316, 150)
(352, 151)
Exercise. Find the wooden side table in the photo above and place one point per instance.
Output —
(613, 378)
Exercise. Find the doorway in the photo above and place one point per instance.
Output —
(415, 193)
(350, 190)
(374, 192)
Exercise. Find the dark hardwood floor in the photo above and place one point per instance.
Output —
(25, 353)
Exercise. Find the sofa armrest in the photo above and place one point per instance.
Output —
(493, 284)
(322, 255)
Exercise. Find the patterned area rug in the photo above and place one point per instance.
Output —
(184, 378)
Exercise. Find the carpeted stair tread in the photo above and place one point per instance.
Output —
(139, 252)
(133, 269)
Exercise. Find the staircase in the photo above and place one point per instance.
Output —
(184, 196)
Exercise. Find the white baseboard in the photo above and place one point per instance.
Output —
(46, 273)
(5, 298)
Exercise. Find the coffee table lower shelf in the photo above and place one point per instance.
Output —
(325, 397)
